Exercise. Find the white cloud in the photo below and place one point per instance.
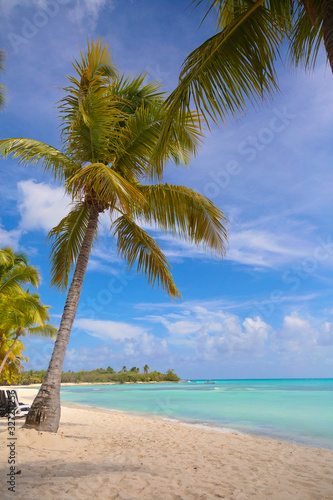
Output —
(146, 345)
(86, 12)
(87, 358)
(138, 352)
(325, 337)
(254, 244)
(10, 238)
(109, 330)
(265, 249)
(41, 205)
(212, 333)
(83, 12)
(299, 334)
(233, 337)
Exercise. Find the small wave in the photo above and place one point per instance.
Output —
(209, 427)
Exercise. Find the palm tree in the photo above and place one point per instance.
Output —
(20, 312)
(13, 367)
(2, 88)
(15, 272)
(146, 368)
(236, 66)
(20, 316)
(111, 127)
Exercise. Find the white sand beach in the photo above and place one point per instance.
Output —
(109, 455)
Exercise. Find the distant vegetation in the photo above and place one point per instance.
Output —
(103, 375)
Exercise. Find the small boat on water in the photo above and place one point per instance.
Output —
(210, 382)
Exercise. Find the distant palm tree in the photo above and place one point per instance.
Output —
(15, 272)
(146, 368)
(111, 126)
(236, 66)
(13, 367)
(124, 369)
(20, 312)
(21, 316)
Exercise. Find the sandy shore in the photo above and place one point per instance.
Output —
(105, 455)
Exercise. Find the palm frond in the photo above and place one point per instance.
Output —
(143, 131)
(9, 258)
(47, 331)
(2, 95)
(19, 275)
(139, 154)
(184, 212)
(103, 184)
(135, 92)
(96, 62)
(225, 11)
(31, 310)
(90, 126)
(230, 70)
(307, 34)
(134, 244)
(68, 236)
(185, 138)
(30, 152)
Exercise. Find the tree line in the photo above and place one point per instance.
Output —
(102, 375)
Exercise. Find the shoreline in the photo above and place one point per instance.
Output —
(64, 384)
(204, 425)
(109, 454)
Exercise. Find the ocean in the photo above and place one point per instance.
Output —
(295, 410)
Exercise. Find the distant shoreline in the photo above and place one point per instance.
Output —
(65, 384)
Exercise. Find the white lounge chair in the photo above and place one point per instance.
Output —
(20, 409)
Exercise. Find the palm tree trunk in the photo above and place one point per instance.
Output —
(18, 333)
(44, 414)
(327, 10)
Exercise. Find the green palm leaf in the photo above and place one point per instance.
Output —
(46, 331)
(68, 236)
(233, 67)
(307, 34)
(184, 212)
(139, 155)
(134, 92)
(134, 244)
(90, 126)
(28, 152)
(96, 62)
(9, 258)
(105, 187)
(21, 274)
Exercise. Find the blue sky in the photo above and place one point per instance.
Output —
(266, 310)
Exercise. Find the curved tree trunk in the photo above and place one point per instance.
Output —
(18, 333)
(44, 414)
(327, 10)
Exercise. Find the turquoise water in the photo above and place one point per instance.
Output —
(299, 411)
